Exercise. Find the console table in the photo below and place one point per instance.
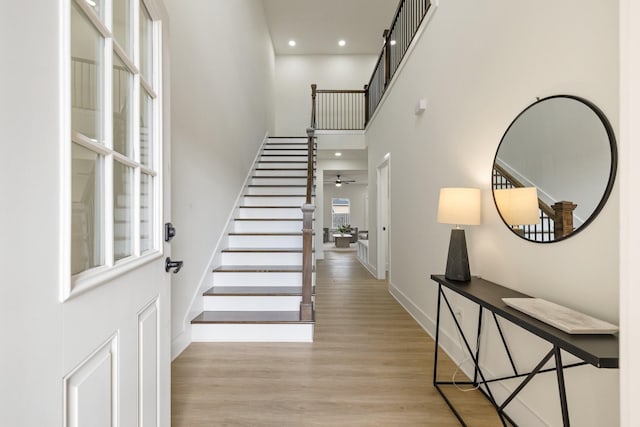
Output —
(600, 351)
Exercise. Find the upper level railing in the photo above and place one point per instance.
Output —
(339, 109)
(352, 109)
(554, 222)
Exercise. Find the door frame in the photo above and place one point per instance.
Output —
(383, 204)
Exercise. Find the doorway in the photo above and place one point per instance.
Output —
(383, 215)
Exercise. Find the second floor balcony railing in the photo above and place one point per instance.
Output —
(352, 109)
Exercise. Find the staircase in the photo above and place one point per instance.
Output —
(257, 289)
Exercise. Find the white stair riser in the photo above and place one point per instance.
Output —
(283, 165)
(252, 303)
(258, 279)
(271, 258)
(288, 142)
(284, 172)
(250, 226)
(297, 201)
(279, 181)
(286, 151)
(281, 158)
(293, 212)
(302, 191)
(252, 333)
(265, 241)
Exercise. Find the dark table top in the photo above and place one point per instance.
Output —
(600, 350)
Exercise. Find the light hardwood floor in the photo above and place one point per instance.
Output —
(370, 365)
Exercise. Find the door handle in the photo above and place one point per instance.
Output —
(168, 265)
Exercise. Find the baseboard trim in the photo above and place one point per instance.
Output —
(518, 410)
(180, 342)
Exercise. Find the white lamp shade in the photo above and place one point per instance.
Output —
(518, 206)
(460, 206)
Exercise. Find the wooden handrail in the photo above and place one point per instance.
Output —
(516, 183)
(340, 91)
(561, 212)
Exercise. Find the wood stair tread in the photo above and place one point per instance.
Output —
(280, 169)
(255, 291)
(249, 317)
(269, 207)
(288, 149)
(259, 269)
(277, 185)
(280, 176)
(293, 162)
(285, 155)
(276, 195)
(268, 219)
(275, 233)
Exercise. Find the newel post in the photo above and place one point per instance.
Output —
(563, 221)
(306, 305)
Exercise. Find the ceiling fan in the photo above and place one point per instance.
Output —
(339, 181)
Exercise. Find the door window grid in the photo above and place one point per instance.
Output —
(123, 210)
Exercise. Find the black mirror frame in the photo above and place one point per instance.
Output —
(612, 169)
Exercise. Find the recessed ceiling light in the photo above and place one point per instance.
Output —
(338, 154)
(92, 3)
(342, 43)
(292, 43)
(392, 43)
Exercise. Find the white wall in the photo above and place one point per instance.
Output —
(479, 65)
(222, 85)
(295, 74)
(629, 212)
(356, 194)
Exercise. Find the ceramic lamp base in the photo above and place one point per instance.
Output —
(458, 260)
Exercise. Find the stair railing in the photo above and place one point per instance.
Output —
(339, 109)
(306, 305)
(556, 221)
(352, 109)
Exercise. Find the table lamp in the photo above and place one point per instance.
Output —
(458, 206)
(518, 206)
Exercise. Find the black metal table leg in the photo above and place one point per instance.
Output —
(561, 388)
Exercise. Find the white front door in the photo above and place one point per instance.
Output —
(116, 295)
(84, 298)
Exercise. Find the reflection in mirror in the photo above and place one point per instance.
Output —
(564, 147)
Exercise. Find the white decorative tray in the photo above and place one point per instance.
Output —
(563, 318)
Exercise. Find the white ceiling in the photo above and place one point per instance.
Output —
(317, 25)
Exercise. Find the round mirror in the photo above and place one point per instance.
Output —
(562, 149)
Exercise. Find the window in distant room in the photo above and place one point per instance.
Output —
(340, 209)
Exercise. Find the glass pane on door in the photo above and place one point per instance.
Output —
(87, 76)
(121, 107)
(146, 44)
(122, 24)
(86, 200)
(122, 211)
(146, 212)
(146, 122)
